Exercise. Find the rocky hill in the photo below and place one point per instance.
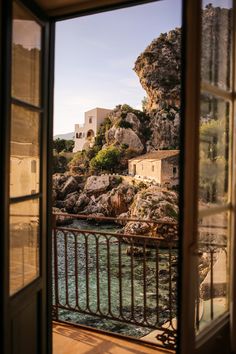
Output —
(127, 126)
(159, 71)
(157, 127)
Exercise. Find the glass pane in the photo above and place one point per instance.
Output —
(212, 298)
(24, 244)
(26, 56)
(214, 152)
(24, 169)
(217, 42)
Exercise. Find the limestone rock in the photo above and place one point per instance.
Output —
(81, 203)
(71, 185)
(158, 68)
(164, 126)
(112, 203)
(133, 119)
(124, 136)
(70, 201)
(118, 200)
(97, 184)
(154, 204)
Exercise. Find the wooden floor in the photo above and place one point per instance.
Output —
(73, 340)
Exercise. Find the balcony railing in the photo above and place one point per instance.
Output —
(130, 279)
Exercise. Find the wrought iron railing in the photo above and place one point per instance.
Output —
(119, 277)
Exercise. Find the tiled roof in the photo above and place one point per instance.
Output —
(157, 155)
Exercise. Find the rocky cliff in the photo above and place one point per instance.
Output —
(159, 71)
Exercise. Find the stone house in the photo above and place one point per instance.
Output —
(161, 166)
(86, 133)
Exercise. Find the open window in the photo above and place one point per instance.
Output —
(207, 174)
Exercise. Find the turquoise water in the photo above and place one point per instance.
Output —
(157, 294)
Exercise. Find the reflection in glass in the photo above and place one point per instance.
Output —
(212, 298)
(24, 168)
(214, 151)
(26, 56)
(217, 42)
(24, 244)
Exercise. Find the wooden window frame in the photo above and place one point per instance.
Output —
(188, 189)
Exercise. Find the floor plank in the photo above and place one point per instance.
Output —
(74, 340)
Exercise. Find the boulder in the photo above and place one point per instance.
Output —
(81, 203)
(59, 179)
(97, 184)
(70, 186)
(70, 202)
(94, 208)
(114, 202)
(124, 136)
(154, 203)
(120, 199)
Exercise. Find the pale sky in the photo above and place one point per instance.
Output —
(95, 56)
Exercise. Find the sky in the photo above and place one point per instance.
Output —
(95, 56)
(221, 3)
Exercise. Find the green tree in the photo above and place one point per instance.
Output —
(124, 124)
(69, 145)
(106, 159)
(59, 145)
(79, 163)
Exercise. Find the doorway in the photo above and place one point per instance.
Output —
(102, 279)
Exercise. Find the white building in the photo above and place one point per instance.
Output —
(86, 133)
(161, 166)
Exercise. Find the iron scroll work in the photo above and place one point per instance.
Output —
(168, 338)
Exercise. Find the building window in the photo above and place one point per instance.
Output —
(33, 166)
(142, 166)
(77, 135)
(153, 168)
(174, 170)
(90, 120)
(80, 135)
